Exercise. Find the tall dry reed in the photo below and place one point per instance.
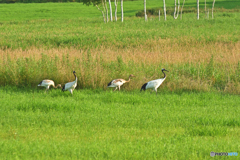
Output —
(192, 66)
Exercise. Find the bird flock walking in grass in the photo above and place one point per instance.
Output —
(70, 86)
(116, 83)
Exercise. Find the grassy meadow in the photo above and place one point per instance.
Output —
(196, 110)
(98, 124)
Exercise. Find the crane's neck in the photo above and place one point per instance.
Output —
(59, 85)
(164, 74)
(128, 79)
(75, 77)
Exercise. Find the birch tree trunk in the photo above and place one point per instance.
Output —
(178, 8)
(145, 10)
(122, 9)
(205, 9)
(159, 14)
(213, 7)
(115, 2)
(182, 8)
(110, 10)
(102, 13)
(197, 9)
(106, 9)
(208, 13)
(164, 10)
(175, 9)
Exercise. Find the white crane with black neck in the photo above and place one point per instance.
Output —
(70, 86)
(154, 84)
(47, 83)
(119, 82)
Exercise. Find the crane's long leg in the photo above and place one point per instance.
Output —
(115, 88)
(152, 91)
(119, 88)
(47, 88)
(155, 90)
(71, 91)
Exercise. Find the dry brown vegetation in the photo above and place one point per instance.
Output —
(188, 63)
(153, 52)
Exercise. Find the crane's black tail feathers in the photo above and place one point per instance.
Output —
(40, 83)
(109, 83)
(143, 87)
(63, 89)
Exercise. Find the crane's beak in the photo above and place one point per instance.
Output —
(166, 70)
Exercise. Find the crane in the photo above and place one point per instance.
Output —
(154, 84)
(119, 82)
(47, 83)
(70, 86)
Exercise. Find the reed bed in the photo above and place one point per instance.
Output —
(193, 66)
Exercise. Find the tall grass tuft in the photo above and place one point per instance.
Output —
(96, 67)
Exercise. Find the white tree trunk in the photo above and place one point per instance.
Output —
(122, 9)
(205, 5)
(164, 10)
(102, 13)
(213, 7)
(106, 9)
(145, 10)
(159, 14)
(205, 9)
(115, 2)
(182, 8)
(197, 9)
(110, 10)
(175, 9)
(178, 8)
(208, 14)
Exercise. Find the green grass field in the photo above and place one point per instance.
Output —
(196, 110)
(98, 124)
(20, 11)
